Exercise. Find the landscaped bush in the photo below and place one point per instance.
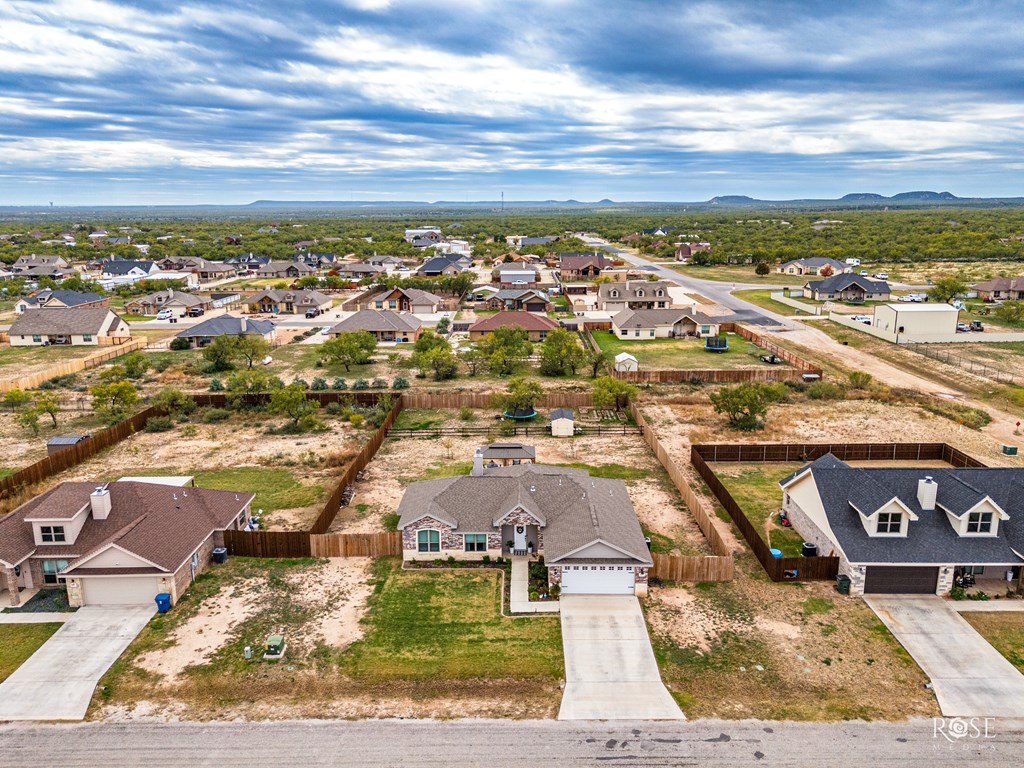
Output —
(400, 382)
(467, 414)
(823, 390)
(333, 409)
(797, 385)
(300, 382)
(216, 385)
(339, 384)
(360, 384)
(380, 383)
(161, 364)
(319, 384)
(180, 345)
(58, 382)
(159, 424)
(356, 419)
(213, 415)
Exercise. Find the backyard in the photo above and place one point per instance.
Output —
(755, 488)
(683, 354)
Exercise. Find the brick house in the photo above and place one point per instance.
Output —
(537, 326)
(847, 287)
(405, 300)
(634, 294)
(385, 325)
(288, 302)
(72, 326)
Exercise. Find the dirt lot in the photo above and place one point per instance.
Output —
(19, 447)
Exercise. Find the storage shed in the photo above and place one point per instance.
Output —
(626, 362)
(62, 443)
(563, 423)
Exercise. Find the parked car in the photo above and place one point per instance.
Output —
(195, 311)
(881, 275)
(165, 314)
(906, 298)
(866, 319)
(863, 273)
(325, 331)
(977, 326)
(313, 312)
(963, 328)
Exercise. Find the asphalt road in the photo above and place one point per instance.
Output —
(496, 744)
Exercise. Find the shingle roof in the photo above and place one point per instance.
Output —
(817, 261)
(629, 289)
(509, 451)
(575, 508)
(124, 266)
(1001, 284)
(164, 297)
(144, 518)
(61, 321)
(304, 296)
(68, 298)
(227, 325)
(562, 413)
(439, 264)
(531, 321)
(652, 318)
(844, 281)
(377, 321)
(576, 261)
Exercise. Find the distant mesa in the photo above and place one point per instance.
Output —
(732, 200)
(857, 197)
(924, 196)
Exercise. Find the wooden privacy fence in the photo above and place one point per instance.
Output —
(693, 568)
(710, 375)
(446, 400)
(795, 360)
(356, 544)
(506, 429)
(268, 543)
(33, 380)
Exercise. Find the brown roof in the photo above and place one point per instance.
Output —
(530, 321)
(377, 321)
(159, 523)
(1001, 284)
(578, 261)
(61, 320)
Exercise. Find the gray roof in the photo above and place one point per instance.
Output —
(227, 325)
(652, 318)
(377, 320)
(818, 261)
(303, 296)
(562, 413)
(124, 266)
(61, 321)
(931, 538)
(575, 509)
(66, 439)
(516, 293)
(163, 297)
(68, 298)
(439, 264)
(509, 451)
(361, 267)
(628, 289)
(842, 282)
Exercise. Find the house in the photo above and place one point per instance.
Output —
(585, 527)
(315, 259)
(389, 263)
(429, 234)
(288, 302)
(515, 275)
(51, 299)
(915, 322)
(36, 271)
(813, 266)
(406, 300)
(232, 239)
(529, 300)
(178, 301)
(659, 231)
(1001, 289)
(460, 247)
(202, 334)
(537, 326)
(847, 287)
(71, 326)
(582, 266)
(662, 324)
(563, 423)
(684, 251)
(521, 241)
(247, 261)
(358, 270)
(633, 294)
(909, 530)
(626, 362)
(385, 325)
(130, 268)
(444, 264)
(205, 269)
(285, 269)
(23, 263)
(118, 543)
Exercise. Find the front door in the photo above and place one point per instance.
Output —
(519, 537)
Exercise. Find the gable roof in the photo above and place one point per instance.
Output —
(61, 321)
(278, 267)
(1001, 284)
(508, 451)
(67, 298)
(530, 321)
(170, 295)
(375, 320)
(562, 413)
(414, 295)
(227, 325)
(844, 281)
(654, 318)
(577, 261)
(440, 263)
(301, 296)
(124, 266)
(628, 289)
(817, 261)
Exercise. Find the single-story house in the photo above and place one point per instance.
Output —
(847, 287)
(57, 299)
(128, 268)
(119, 543)
(521, 241)
(515, 275)
(406, 300)
(179, 301)
(72, 326)
(247, 261)
(909, 530)
(288, 302)
(433, 234)
(662, 323)
(507, 454)
(285, 269)
(204, 269)
(684, 251)
(563, 422)
(626, 362)
(388, 262)
(537, 326)
(529, 300)
(23, 263)
(446, 264)
(813, 266)
(1001, 288)
(358, 270)
(585, 527)
(386, 325)
(582, 266)
(202, 334)
(36, 271)
(634, 294)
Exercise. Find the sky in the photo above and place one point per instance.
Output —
(153, 102)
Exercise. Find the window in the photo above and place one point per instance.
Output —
(889, 522)
(51, 568)
(37, 339)
(625, 332)
(52, 534)
(705, 330)
(392, 304)
(979, 522)
(428, 541)
(87, 338)
(476, 542)
(651, 333)
(637, 332)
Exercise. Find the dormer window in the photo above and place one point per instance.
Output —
(615, 294)
(640, 294)
(889, 522)
(979, 522)
(52, 534)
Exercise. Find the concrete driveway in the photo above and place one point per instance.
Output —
(969, 676)
(610, 671)
(58, 680)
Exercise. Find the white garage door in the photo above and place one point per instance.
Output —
(120, 590)
(597, 580)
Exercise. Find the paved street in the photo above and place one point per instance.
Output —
(497, 744)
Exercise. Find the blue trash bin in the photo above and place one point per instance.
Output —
(163, 602)
(776, 553)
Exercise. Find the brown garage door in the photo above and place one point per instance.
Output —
(900, 580)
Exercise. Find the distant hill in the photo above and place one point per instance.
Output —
(733, 200)
(861, 197)
(925, 196)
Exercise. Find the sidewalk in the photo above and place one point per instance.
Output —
(985, 606)
(34, 618)
(519, 593)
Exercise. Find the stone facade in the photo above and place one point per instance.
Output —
(803, 525)
(9, 582)
(640, 582)
(452, 544)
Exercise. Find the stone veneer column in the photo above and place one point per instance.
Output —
(12, 586)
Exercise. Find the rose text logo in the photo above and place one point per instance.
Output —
(958, 728)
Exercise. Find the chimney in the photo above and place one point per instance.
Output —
(478, 463)
(100, 502)
(243, 325)
(927, 491)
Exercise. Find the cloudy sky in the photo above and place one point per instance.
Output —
(150, 101)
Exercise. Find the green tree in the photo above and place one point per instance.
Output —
(475, 359)
(221, 353)
(520, 393)
(251, 347)
(1010, 312)
(441, 361)
(135, 365)
(113, 400)
(427, 341)
(506, 347)
(597, 360)
(560, 352)
(251, 381)
(443, 325)
(762, 268)
(29, 419)
(349, 349)
(609, 392)
(291, 401)
(745, 404)
(16, 398)
(945, 289)
(175, 402)
(47, 403)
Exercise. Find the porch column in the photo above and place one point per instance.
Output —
(12, 587)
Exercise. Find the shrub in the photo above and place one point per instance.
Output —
(319, 384)
(391, 521)
(380, 384)
(797, 385)
(400, 382)
(486, 559)
(339, 458)
(823, 390)
(555, 590)
(534, 594)
(159, 424)
(860, 379)
(213, 415)
(339, 384)
(957, 593)
(356, 419)
(180, 345)
(161, 364)
(360, 384)
(189, 430)
(216, 385)
(467, 414)
(301, 382)
(973, 418)
(333, 409)
(57, 382)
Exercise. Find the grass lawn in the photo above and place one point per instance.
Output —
(683, 354)
(762, 298)
(755, 487)
(725, 273)
(1005, 631)
(19, 641)
(446, 625)
(611, 471)
(5, 471)
(274, 488)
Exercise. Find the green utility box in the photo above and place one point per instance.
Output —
(1010, 450)
(274, 648)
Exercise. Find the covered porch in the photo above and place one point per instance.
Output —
(520, 539)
